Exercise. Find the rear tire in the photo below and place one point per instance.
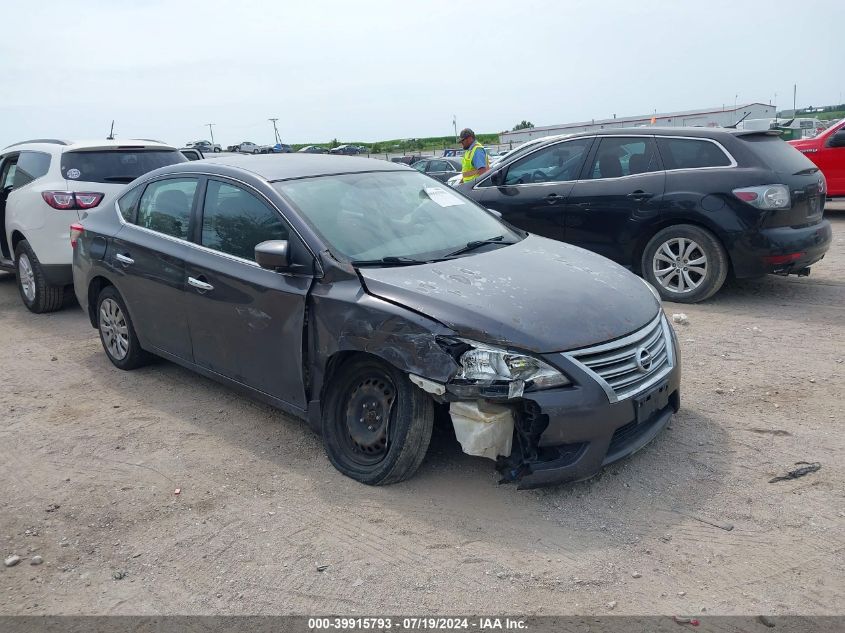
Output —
(376, 425)
(117, 334)
(686, 263)
(37, 295)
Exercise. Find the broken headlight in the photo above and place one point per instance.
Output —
(483, 365)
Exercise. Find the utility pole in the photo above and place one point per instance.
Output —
(736, 96)
(275, 130)
(210, 131)
(110, 137)
(455, 126)
(794, 99)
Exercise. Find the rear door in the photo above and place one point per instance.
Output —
(246, 322)
(147, 255)
(8, 166)
(534, 189)
(620, 190)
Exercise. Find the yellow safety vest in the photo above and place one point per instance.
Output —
(466, 162)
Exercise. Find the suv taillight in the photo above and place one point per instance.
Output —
(64, 200)
(765, 197)
(76, 231)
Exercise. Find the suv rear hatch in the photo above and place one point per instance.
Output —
(805, 181)
(112, 167)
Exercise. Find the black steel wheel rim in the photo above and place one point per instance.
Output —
(366, 417)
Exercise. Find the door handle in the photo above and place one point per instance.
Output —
(554, 198)
(640, 195)
(124, 259)
(199, 285)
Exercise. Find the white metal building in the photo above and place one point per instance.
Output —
(713, 117)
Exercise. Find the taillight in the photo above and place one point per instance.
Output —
(765, 197)
(76, 231)
(64, 200)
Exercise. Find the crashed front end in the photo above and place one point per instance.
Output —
(560, 417)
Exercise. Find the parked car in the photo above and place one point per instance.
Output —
(282, 148)
(346, 150)
(406, 160)
(827, 151)
(439, 168)
(192, 153)
(206, 147)
(313, 149)
(45, 184)
(358, 295)
(682, 207)
(248, 147)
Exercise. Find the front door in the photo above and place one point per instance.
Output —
(533, 190)
(246, 322)
(7, 178)
(620, 190)
(147, 255)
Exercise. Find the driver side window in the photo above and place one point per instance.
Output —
(560, 162)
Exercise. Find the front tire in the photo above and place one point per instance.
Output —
(37, 295)
(376, 425)
(117, 334)
(686, 263)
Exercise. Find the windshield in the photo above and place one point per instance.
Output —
(394, 214)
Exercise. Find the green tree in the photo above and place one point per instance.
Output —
(523, 125)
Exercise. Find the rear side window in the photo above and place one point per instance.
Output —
(688, 153)
(234, 221)
(128, 204)
(621, 156)
(166, 206)
(779, 155)
(31, 165)
(115, 166)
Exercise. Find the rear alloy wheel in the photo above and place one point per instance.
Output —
(685, 263)
(37, 295)
(116, 331)
(376, 425)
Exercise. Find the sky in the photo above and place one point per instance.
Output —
(370, 70)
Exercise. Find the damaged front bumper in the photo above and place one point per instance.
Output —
(569, 433)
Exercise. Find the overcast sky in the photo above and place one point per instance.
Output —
(373, 70)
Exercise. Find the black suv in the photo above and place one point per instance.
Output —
(682, 207)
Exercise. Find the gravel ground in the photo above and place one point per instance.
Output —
(92, 458)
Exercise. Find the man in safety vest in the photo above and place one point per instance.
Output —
(475, 161)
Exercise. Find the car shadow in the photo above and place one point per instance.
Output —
(454, 494)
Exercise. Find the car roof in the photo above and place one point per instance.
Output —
(67, 145)
(272, 167)
(694, 132)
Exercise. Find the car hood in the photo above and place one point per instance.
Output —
(538, 295)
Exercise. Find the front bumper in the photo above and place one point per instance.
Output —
(750, 251)
(587, 431)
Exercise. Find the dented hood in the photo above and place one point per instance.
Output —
(538, 295)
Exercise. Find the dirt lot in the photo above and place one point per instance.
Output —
(91, 458)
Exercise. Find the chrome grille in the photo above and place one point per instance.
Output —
(630, 365)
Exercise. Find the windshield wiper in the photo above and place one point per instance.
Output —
(388, 261)
(471, 246)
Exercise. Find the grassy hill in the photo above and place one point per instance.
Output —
(406, 144)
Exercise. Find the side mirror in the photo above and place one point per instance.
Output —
(838, 139)
(498, 178)
(273, 254)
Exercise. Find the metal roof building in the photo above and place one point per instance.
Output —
(712, 117)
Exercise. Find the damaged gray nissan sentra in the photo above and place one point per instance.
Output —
(360, 295)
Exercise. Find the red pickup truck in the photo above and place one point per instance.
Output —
(827, 151)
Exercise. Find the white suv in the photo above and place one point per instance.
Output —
(45, 186)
